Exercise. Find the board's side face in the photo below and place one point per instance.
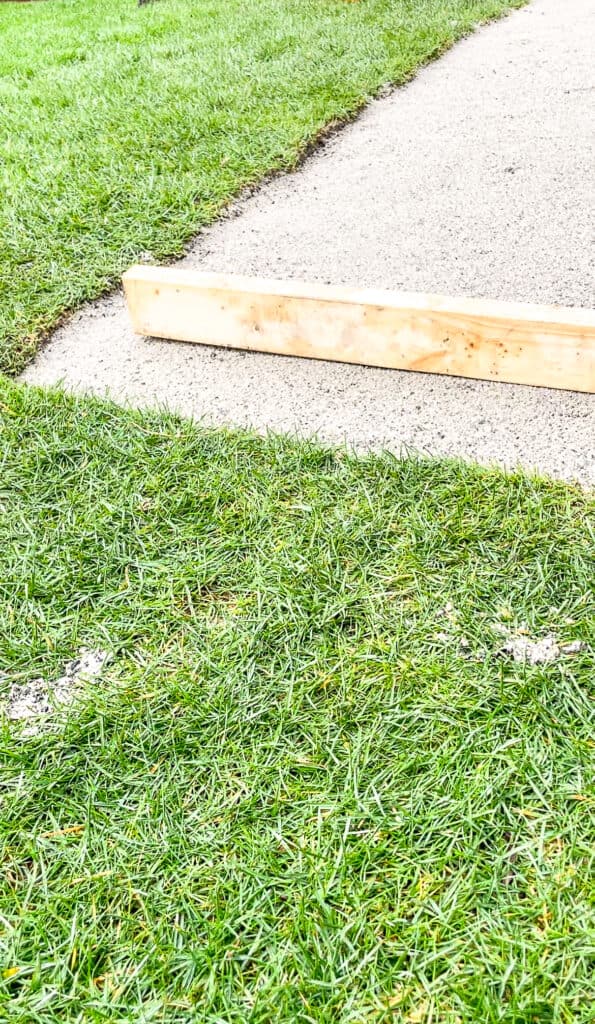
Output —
(499, 341)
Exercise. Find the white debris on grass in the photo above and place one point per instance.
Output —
(34, 703)
(448, 612)
(518, 644)
(538, 652)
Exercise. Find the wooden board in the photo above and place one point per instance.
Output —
(548, 346)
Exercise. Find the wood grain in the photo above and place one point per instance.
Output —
(547, 346)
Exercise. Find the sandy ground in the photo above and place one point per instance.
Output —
(476, 179)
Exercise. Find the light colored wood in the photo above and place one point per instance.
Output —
(547, 346)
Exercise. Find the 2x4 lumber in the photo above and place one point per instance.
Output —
(548, 346)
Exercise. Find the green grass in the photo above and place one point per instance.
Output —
(298, 801)
(124, 129)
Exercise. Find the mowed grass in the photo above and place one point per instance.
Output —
(308, 788)
(124, 129)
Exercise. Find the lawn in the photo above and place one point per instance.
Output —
(310, 786)
(124, 129)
